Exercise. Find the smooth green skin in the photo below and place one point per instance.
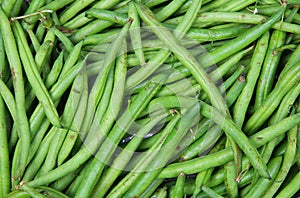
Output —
(18, 194)
(33, 76)
(185, 57)
(135, 34)
(96, 91)
(179, 186)
(130, 178)
(78, 104)
(164, 156)
(242, 103)
(233, 93)
(16, 68)
(9, 100)
(155, 62)
(106, 124)
(34, 40)
(269, 68)
(119, 163)
(204, 35)
(73, 9)
(210, 192)
(37, 161)
(285, 83)
(73, 57)
(107, 15)
(169, 9)
(288, 159)
(238, 136)
(34, 193)
(156, 158)
(51, 192)
(4, 153)
(265, 135)
(63, 38)
(55, 145)
(291, 188)
(262, 185)
(81, 19)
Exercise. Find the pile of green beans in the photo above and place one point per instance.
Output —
(149, 98)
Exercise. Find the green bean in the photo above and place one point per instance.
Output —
(101, 38)
(17, 8)
(73, 9)
(210, 192)
(34, 40)
(16, 69)
(184, 56)
(273, 100)
(179, 187)
(169, 9)
(216, 34)
(163, 54)
(235, 5)
(7, 6)
(130, 178)
(162, 157)
(52, 153)
(122, 159)
(31, 191)
(135, 34)
(63, 38)
(39, 157)
(55, 71)
(109, 145)
(33, 76)
(198, 164)
(91, 28)
(235, 90)
(73, 57)
(160, 193)
(150, 190)
(41, 55)
(243, 100)
(4, 153)
(263, 184)
(62, 184)
(291, 188)
(98, 87)
(9, 100)
(107, 15)
(78, 100)
(18, 194)
(288, 159)
(201, 145)
(294, 59)
(262, 137)
(50, 192)
(266, 79)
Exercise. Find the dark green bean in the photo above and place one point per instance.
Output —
(272, 101)
(291, 188)
(16, 69)
(4, 153)
(243, 100)
(34, 77)
(179, 187)
(185, 57)
(288, 159)
(262, 185)
(34, 193)
(122, 159)
(107, 15)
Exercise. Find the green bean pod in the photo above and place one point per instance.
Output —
(179, 186)
(262, 185)
(266, 79)
(243, 100)
(34, 77)
(4, 153)
(16, 69)
(107, 15)
(291, 188)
